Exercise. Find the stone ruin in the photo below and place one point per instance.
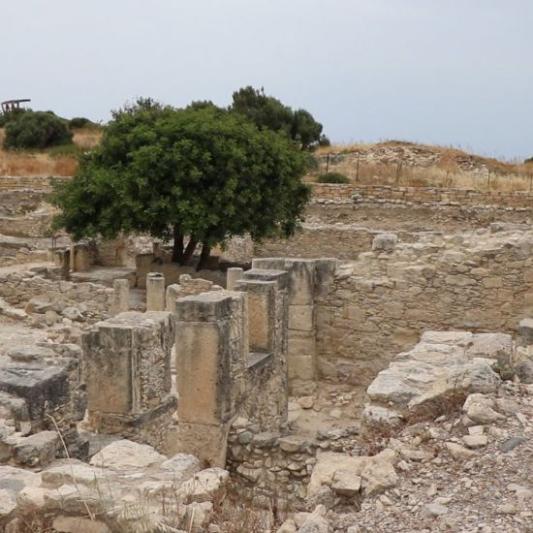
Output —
(317, 387)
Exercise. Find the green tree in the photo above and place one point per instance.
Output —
(268, 112)
(36, 129)
(200, 173)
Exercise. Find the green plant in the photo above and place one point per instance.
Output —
(5, 118)
(80, 122)
(201, 173)
(332, 177)
(268, 112)
(36, 129)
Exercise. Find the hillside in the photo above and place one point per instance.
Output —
(385, 163)
(57, 161)
(412, 164)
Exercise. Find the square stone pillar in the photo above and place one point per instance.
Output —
(307, 279)
(127, 373)
(121, 296)
(267, 380)
(155, 292)
(233, 275)
(211, 352)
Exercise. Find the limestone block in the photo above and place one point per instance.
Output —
(127, 455)
(127, 362)
(121, 296)
(261, 317)
(203, 375)
(301, 367)
(12, 481)
(172, 294)
(301, 343)
(38, 449)
(301, 317)
(155, 292)
(233, 275)
(384, 242)
(45, 389)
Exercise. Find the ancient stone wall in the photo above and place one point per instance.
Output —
(127, 372)
(30, 288)
(381, 303)
(420, 195)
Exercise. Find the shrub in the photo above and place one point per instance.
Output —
(10, 116)
(80, 122)
(36, 129)
(333, 177)
(528, 161)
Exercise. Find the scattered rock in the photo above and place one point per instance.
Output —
(125, 454)
(512, 443)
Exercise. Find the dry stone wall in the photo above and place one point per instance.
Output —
(421, 195)
(38, 292)
(381, 303)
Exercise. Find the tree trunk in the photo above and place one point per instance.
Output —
(177, 250)
(204, 256)
(189, 251)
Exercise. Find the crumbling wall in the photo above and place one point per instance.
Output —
(29, 288)
(421, 195)
(127, 372)
(380, 304)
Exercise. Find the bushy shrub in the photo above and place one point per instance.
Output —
(36, 129)
(80, 122)
(528, 161)
(333, 177)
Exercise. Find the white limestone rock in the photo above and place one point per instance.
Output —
(127, 455)
(440, 364)
(480, 409)
(12, 481)
(376, 472)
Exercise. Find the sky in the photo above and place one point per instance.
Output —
(450, 72)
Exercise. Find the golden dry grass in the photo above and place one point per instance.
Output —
(87, 138)
(446, 171)
(44, 163)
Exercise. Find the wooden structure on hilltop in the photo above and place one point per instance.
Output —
(12, 105)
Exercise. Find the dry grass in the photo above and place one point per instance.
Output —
(87, 138)
(57, 161)
(446, 168)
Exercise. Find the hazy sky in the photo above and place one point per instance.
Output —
(456, 72)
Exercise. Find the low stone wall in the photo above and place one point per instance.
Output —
(272, 470)
(381, 303)
(28, 288)
(420, 195)
(343, 241)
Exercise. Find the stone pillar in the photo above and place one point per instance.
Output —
(211, 352)
(233, 275)
(307, 279)
(155, 292)
(126, 362)
(267, 364)
(121, 296)
(172, 294)
(81, 260)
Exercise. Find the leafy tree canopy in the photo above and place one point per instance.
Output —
(201, 172)
(35, 129)
(268, 112)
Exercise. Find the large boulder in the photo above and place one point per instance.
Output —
(441, 364)
(127, 455)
